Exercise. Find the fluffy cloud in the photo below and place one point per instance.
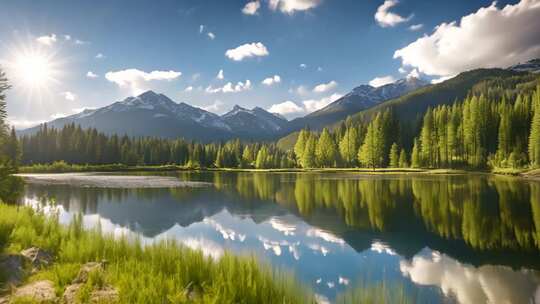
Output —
(81, 42)
(188, 89)
(251, 8)
(69, 95)
(325, 87)
(413, 74)
(490, 37)
(91, 74)
(211, 35)
(220, 75)
(216, 107)
(385, 18)
(21, 124)
(272, 80)
(303, 66)
(67, 37)
(416, 27)
(254, 49)
(47, 40)
(291, 6)
(135, 79)
(100, 56)
(311, 105)
(380, 81)
(201, 29)
(230, 88)
(286, 108)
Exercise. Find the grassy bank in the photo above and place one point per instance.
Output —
(159, 273)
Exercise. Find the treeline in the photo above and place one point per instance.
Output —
(75, 145)
(477, 132)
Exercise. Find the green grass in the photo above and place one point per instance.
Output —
(376, 293)
(158, 273)
(63, 167)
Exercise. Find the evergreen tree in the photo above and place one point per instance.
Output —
(534, 137)
(12, 149)
(370, 153)
(308, 155)
(394, 156)
(4, 86)
(326, 151)
(416, 161)
(348, 146)
(403, 163)
(262, 158)
(301, 144)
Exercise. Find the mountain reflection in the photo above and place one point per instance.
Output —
(476, 236)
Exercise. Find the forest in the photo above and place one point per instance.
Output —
(478, 132)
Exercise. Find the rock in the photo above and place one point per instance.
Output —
(37, 256)
(40, 292)
(12, 267)
(70, 294)
(86, 269)
(107, 294)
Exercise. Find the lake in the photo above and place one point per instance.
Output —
(440, 238)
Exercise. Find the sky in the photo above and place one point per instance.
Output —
(288, 56)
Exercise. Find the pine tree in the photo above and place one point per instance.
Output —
(12, 148)
(326, 151)
(262, 158)
(534, 137)
(301, 144)
(4, 86)
(394, 156)
(308, 155)
(370, 153)
(348, 146)
(416, 161)
(403, 163)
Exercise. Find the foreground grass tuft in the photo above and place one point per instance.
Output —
(165, 272)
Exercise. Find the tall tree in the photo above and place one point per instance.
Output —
(534, 137)
(326, 151)
(394, 156)
(348, 146)
(300, 145)
(308, 156)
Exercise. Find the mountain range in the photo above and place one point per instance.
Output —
(152, 114)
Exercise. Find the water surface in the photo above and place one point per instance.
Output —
(444, 239)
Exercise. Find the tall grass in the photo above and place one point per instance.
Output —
(165, 272)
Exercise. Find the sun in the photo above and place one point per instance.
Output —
(33, 70)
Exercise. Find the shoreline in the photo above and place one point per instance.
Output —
(529, 174)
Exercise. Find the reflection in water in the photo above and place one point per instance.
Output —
(473, 239)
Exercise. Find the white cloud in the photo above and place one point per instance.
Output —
(100, 56)
(402, 70)
(291, 6)
(413, 74)
(67, 37)
(47, 40)
(490, 37)
(255, 49)
(385, 18)
(201, 28)
(302, 90)
(229, 87)
(69, 95)
(21, 124)
(81, 42)
(286, 108)
(380, 81)
(416, 27)
(272, 80)
(188, 89)
(58, 115)
(216, 107)
(311, 105)
(91, 74)
(135, 79)
(441, 79)
(220, 75)
(303, 66)
(325, 87)
(251, 8)
(211, 35)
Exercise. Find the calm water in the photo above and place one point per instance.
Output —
(447, 239)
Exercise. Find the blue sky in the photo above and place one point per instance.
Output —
(337, 44)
